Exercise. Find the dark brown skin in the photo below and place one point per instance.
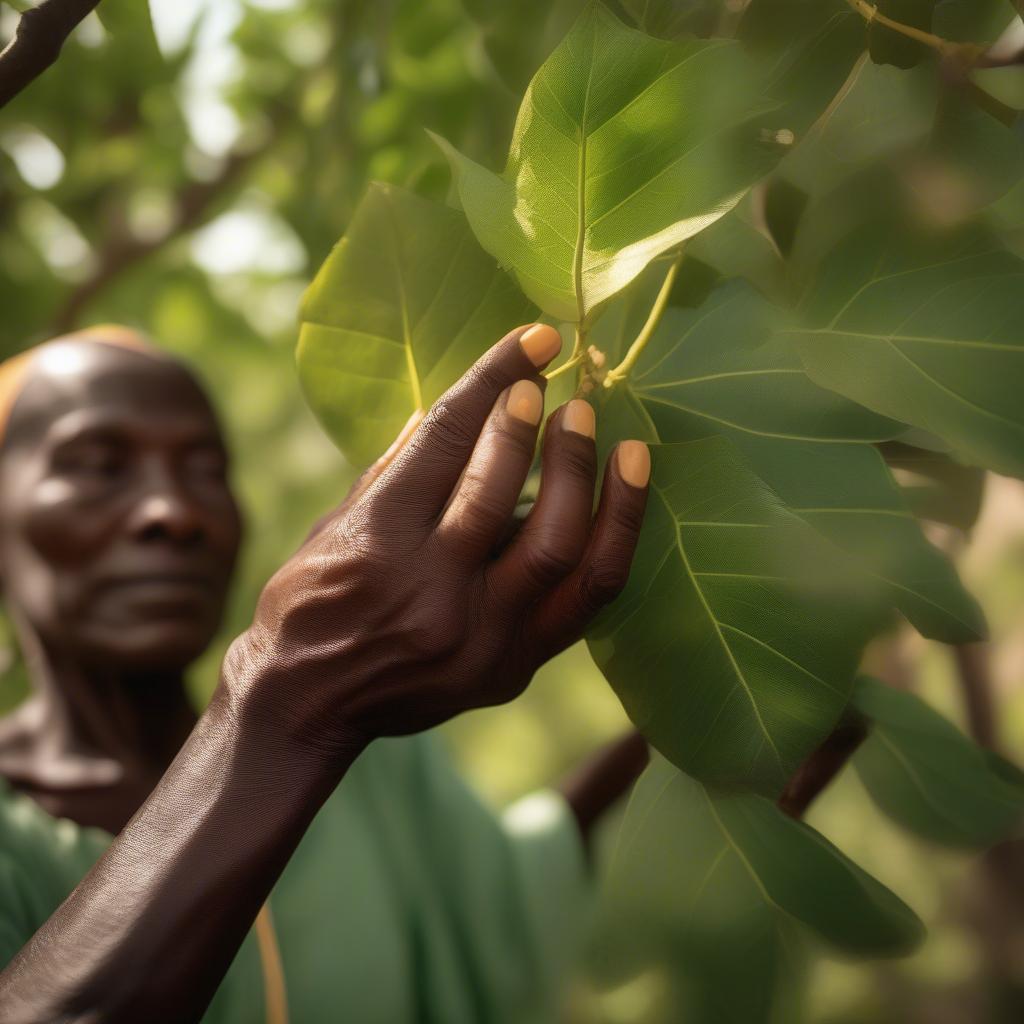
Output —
(394, 616)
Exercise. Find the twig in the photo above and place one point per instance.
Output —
(624, 368)
(822, 766)
(976, 687)
(870, 13)
(37, 42)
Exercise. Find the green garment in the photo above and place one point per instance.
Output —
(407, 899)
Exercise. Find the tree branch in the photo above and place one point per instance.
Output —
(37, 42)
(822, 766)
(125, 250)
(972, 669)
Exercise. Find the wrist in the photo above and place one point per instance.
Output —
(274, 722)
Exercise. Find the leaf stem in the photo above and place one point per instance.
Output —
(572, 361)
(622, 371)
(869, 12)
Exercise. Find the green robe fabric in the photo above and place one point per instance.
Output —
(407, 899)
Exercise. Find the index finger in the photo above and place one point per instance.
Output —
(427, 470)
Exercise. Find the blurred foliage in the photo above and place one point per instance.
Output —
(189, 181)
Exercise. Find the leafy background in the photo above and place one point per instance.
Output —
(188, 175)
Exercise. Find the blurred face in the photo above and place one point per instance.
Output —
(118, 531)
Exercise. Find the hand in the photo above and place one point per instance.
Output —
(399, 611)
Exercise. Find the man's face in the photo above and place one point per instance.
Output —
(118, 530)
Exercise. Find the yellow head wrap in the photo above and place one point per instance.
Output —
(14, 371)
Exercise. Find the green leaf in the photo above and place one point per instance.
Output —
(881, 110)
(734, 644)
(402, 306)
(624, 147)
(935, 486)
(806, 50)
(924, 327)
(670, 19)
(740, 856)
(972, 21)
(930, 778)
(725, 370)
(739, 245)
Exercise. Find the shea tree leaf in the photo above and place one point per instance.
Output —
(724, 369)
(402, 306)
(738, 859)
(924, 327)
(930, 778)
(625, 146)
(734, 644)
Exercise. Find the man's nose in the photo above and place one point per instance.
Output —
(165, 510)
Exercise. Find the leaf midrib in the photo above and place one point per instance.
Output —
(680, 547)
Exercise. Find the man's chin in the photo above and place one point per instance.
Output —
(155, 646)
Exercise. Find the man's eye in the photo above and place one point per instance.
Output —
(209, 464)
(92, 461)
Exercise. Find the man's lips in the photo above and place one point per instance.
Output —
(162, 581)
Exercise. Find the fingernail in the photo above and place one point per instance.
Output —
(525, 402)
(578, 416)
(634, 463)
(541, 344)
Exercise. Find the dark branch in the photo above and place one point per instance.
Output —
(125, 250)
(37, 42)
(972, 670)
(822, 766)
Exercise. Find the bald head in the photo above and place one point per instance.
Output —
(73, 375)
(118, 529)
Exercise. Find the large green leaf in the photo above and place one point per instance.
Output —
(403, 305)
(930, 778)
(806, 49)
(926, 328)
(624, 147)
(734, 644)
(740, 858)
(724, 369)
(881, 110)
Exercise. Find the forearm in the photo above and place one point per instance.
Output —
(596, 784)
(151, 930)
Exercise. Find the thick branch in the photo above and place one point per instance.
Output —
(822, 766)
(37, 42)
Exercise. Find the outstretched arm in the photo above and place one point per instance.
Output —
(394, 616)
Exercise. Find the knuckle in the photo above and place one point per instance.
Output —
(627, 518)
(487, 376)
(479, 499)
(603, 581)
(578, 461)
(549, 559)
(447, 430)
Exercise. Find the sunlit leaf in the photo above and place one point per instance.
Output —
(624, 147)
(404, 304)
(930, 778)
(734, 645)
(736, 858)
(926, 328)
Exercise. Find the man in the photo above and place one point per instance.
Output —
(396, 895)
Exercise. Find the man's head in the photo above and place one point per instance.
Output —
(118, 529)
